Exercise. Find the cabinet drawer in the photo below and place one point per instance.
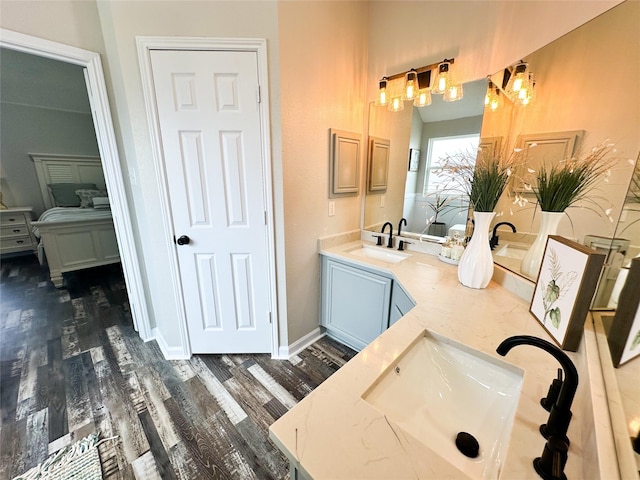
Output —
(14, 231)
(8, 219)
(15, 244)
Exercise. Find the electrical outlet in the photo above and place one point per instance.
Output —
(382, 199)
(332, 208)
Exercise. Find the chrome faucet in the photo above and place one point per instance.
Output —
(390, 242)
(402, 221)
(560, 416)
(494, 238)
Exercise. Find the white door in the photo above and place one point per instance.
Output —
(208, 109)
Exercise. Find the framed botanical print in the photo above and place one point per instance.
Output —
(566, 283)
(624, 333)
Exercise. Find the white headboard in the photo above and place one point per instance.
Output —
(55, 168)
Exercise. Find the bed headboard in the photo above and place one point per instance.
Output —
(55, 168)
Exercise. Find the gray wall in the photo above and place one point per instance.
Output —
(44, 108)
(25, 129)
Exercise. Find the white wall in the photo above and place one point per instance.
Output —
(323, 54)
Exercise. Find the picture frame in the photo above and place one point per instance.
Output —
(378, 165)
(344, 173)
(414, 159)
(543, 148)
(566, 284)
(623, 334)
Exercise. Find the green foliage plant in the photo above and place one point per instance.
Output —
(570, 181)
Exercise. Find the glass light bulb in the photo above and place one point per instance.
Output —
(423, 98)
(396, 104)
(453, 93)
(411, 85)
(517, 84)
(382, 98)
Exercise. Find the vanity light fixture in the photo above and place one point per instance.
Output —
(415, 85)
(382, 98)
(424, 93)
(410, 85)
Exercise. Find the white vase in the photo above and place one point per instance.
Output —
(476, 264)
(533, 258)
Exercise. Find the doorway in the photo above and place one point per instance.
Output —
(103, 124)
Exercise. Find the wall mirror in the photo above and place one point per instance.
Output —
(565, 101)
(430, 131)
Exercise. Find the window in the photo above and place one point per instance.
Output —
(438, 149)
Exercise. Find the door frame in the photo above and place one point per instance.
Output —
(108, 148)
(145, 44)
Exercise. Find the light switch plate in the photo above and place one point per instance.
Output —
(382, 199)
(332, 208)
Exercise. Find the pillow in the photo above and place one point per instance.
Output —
(86, 196)
(64, 194)
(100, 203)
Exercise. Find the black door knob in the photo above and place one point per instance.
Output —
(183, 240)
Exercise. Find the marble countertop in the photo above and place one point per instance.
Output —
(334, 434)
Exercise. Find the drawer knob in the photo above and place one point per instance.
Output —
(15, 230)
(20, 242)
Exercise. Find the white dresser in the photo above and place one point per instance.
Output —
(15, 230)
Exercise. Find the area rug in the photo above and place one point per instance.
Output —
(78, 461)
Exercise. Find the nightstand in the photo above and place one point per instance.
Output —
(15, 230)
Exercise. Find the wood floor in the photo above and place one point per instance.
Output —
(71, 364)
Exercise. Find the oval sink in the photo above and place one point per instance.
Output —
(438, 388)
(383, 254)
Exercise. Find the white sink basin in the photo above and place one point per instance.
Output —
(512, 251)
(438, 387)
(383, 254)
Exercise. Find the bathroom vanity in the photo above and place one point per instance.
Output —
(341, 430)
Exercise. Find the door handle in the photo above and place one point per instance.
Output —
(183, 240)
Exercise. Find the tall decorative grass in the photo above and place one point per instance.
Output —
(482, 176)
(568, 182)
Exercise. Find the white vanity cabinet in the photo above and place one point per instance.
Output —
(357, 303)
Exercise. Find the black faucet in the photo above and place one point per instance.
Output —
(390, 242)
(494, 238)
(400, 223)
(560, 416)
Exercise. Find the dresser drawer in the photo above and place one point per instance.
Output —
(15, 244)
(14, 231)
(8, 219)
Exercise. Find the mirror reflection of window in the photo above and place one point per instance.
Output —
(439, 148)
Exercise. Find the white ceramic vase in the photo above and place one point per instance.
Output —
(476, 264)
(549, 222)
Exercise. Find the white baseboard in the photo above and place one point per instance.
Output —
(286, 352)
(170, 353)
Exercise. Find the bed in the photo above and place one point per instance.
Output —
(71, 238)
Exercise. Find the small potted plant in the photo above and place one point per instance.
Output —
(440, 203)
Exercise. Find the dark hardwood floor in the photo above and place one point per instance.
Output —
(71, 365)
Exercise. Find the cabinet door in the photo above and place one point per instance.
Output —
(401, 303)
(355, 303)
